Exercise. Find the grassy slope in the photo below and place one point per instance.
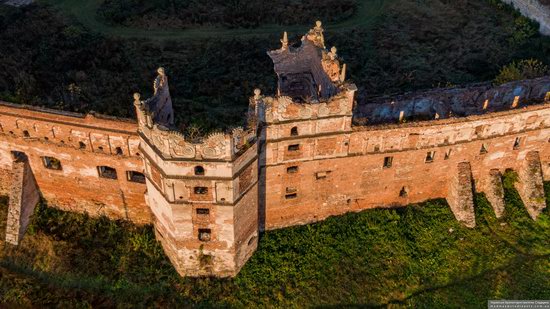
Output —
(416, 256)
(85, 13)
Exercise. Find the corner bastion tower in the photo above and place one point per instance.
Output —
(203, 194)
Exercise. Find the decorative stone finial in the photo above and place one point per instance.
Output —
(137, 96)
(160, 70)
(333, 53)
(343, 74)
(257, 94)
(284, 41)
(315, 35)
(516, 102)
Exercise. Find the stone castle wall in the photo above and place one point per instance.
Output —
(310, 163)
(535, 10)
(302, 159)
(81, 144)
(392, 165)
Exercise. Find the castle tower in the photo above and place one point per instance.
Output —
(203, 194)
(307, 123)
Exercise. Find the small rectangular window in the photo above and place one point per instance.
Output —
(200, 190)
(291, 196)
(203, 211)
(321, 175)
(294, 147)
(205, 234)
(517, 143)
(51, 163)
(107, 172)
(448, 154)
(404, 192)
(292, 169)
(430, 155)
(388, 161)
(134, 176)
(483, 149)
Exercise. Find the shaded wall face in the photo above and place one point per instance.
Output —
(66, 154)
(394, 165)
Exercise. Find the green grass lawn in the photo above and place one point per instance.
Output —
(418, 256)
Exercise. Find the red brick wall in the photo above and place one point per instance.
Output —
(77, 186)
(354, 178)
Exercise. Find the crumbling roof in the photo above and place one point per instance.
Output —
(458, 101)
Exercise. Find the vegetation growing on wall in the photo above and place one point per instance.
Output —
(418, 256)
(524, 69)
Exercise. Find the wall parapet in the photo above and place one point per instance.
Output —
(155, 122)
(283, 108)
(447, 103)
(447, 132)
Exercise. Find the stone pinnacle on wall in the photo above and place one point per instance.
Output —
(284, 41)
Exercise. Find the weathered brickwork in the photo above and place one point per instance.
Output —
(80, 144)
(460, 196)
(203, 194)
(24, 196)
(530, 185)
(310, 152)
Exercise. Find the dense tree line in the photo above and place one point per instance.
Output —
(48, 60)
(179, 14)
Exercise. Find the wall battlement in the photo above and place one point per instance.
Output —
(302, 159)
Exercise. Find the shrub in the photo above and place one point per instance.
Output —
(524, 69)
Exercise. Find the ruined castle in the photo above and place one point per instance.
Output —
(309, 152)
